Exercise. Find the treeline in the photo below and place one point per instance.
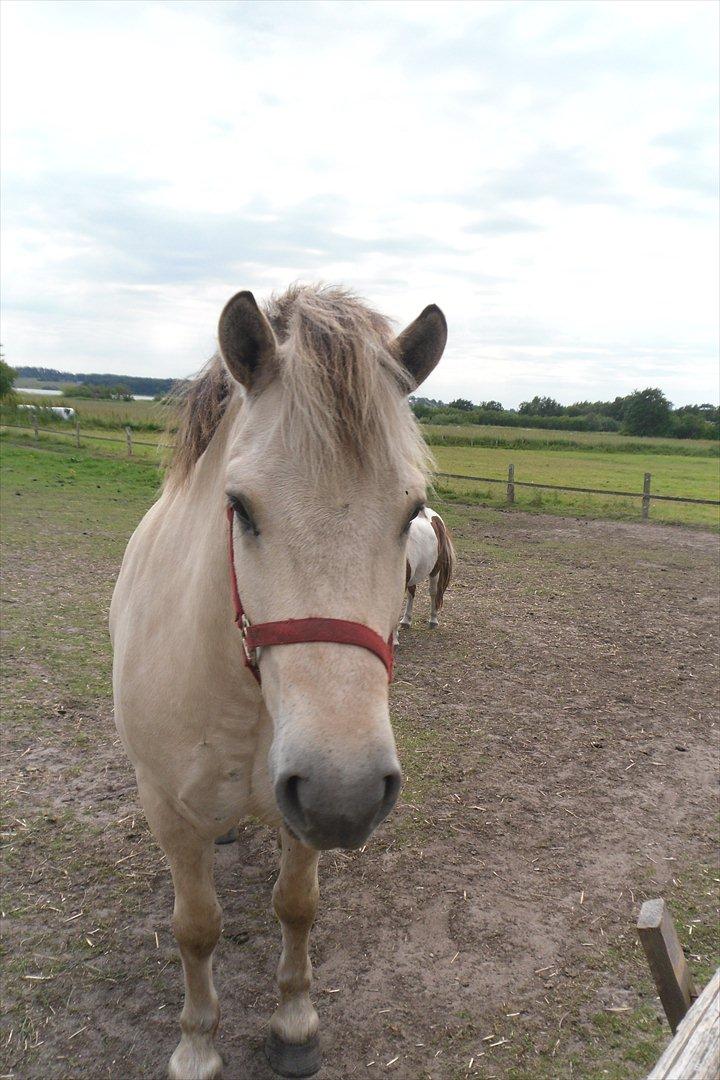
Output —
(130, 384)
(644, 412)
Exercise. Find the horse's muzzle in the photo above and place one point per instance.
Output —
(324, 812)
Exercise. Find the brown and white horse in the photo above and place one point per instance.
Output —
(430, 554)
(297, 453)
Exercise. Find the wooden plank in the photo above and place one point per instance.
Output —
(666, 959)
(694, 1053)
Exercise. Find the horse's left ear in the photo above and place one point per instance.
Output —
(421, 344)
(247, 343)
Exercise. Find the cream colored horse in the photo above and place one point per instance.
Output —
(302, 426)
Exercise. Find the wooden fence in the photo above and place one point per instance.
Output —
(76, 434)
(694, 1052)
(510, 482)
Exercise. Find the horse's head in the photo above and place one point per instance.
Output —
(326, 472)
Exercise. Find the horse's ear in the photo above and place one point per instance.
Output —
(421, 344)
(247, 343)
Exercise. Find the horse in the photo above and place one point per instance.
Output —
(431, 555)
(252, 622)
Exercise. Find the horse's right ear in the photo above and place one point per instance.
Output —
(247, 343)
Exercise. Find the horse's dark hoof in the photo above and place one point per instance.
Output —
(228, 837)
(293, 1059)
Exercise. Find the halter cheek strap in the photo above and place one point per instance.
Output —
(299, 631)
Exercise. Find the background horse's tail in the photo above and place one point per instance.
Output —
(445, 560)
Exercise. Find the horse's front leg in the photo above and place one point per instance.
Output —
(196, 924)
(293, 1046)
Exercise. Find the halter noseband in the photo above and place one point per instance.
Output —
(299, 631)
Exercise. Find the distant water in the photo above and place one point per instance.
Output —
(36, 390)
(58, 393)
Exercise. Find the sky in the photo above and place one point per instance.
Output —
(546, 172)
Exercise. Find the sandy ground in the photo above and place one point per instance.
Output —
(559, 736)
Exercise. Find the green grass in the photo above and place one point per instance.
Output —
(93, 504)
(549, 439)
(679, 473)
(689, 477)
(140, 415)
(149, 416)
(147, 446)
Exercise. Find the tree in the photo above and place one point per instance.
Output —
(491, 406)
(462, 404)
(7, 378)
(542, 406)
(647, 412)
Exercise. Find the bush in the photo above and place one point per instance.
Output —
(692, 426)
(7, 379)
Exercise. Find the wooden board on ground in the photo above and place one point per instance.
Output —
(694, 1053)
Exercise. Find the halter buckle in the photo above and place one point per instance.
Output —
(250, 654)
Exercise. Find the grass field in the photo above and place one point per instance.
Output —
(152, 416)
(672, 474)
(140, 415)
(497, 904)
(689, 477)
(539, 438)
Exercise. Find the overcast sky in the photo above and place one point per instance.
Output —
(546, 172)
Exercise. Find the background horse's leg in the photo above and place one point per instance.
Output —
(433, 621)
(407, 613)
(196, 924)
(293, 1047)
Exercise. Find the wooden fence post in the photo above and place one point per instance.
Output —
(77, 434)
(128, 436)
(646, 497)
(35, 427)
(511, 485)
(666, 960)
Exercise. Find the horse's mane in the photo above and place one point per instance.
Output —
(341, 380)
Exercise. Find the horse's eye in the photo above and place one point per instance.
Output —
(243, 516)
(416, 511)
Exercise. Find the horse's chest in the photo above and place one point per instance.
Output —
(216, 780)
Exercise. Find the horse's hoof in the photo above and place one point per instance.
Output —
(433, 624)
(293, 1059)
(404, 625)
(195, 1062)
(228, 838)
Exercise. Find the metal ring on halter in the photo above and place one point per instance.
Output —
(251, 654)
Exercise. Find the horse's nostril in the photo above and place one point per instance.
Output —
(392, 790)
(288, 796)
(291, 791)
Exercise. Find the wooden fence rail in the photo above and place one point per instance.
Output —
(694, 1053)
(646, 495)
(511, 483)
(127, 434)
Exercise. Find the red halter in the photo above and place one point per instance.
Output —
(299, 631)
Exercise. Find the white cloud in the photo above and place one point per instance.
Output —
(544, 171)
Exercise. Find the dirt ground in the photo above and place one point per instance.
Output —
(559, 738)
